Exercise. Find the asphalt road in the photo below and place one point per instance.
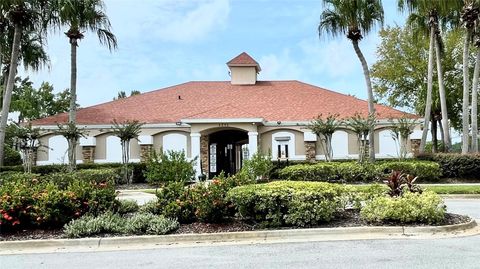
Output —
(404, 253)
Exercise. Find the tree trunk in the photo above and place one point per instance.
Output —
(443, 99)
(9, 88)
(476, 73)
(442, 135)
(428, 102)
(73, 100)
(466, 95)
(371, 105)
(434, 136)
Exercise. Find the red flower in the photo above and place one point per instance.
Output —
(16, 223)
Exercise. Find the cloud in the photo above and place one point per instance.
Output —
(279, 66)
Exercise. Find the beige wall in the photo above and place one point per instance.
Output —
(44, 149)
(265, 140)
(208, 128)
(243, 75)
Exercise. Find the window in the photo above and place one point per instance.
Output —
(283, 145)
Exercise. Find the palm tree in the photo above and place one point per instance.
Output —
(469, 18)
(24, 16)
(476, 73)
(354, 18)
(428, 16)
(81, 16)
(126, 131)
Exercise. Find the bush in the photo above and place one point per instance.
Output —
(456, 165)
(28, 200)
(109, 223)
(354, 171)
(89, 175)
(289, 203)
(137, 168)
(126, 207)
(167, 167)
(257, 167)
(12, 157)
(424, 170)
(426, 207)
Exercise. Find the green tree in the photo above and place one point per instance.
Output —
(24, 16)
(126, 131)
(81, 16)
(402, 55)
(123, 94)
(362, 127)
(469, 17)
(427, 16)
(354, 18)
(474, 115)
(38, 103)
(324, 127)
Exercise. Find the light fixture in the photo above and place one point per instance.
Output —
(178, 123)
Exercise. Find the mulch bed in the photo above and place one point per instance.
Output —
(350, 218)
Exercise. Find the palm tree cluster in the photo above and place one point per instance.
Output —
(355, 18)
(24, 25)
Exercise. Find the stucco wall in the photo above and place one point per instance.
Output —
(243, 75)
(266, 141)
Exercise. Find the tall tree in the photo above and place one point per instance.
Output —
(469, 17)
(24, 16)
(428, 16)
(354, 18)
(474, 115)
(81, 16)
(402, 55)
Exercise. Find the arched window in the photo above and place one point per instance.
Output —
(388, 147)
(57, 149)
(175, 142)
(340, 145)
(113, 149)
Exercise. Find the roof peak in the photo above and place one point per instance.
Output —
(243, 59)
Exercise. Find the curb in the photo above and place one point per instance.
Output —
(248, 237)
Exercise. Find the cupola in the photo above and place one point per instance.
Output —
(243, 70)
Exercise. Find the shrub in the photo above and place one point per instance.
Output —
(258, 166)
(167, 167)
(126, 206)
(289, 203)
(353, 171)
(109, 223)
(138, 169)
(456, 165)
(12, 157)
(26, 200)
(424, 170)
(426, 207)
(176, 201)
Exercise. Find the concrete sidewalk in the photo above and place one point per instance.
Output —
(140, 197)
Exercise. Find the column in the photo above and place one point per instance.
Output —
(195, 152)
(146, 146)
(252, 143)
(88, 149)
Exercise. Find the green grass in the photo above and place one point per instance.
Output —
(455, 189)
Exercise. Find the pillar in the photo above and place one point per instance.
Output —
(204, 157)
(195, 152)
(88, 149)
(252, 143)
(310, 141)
(146, 146)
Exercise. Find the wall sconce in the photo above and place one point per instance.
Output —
(178, 123)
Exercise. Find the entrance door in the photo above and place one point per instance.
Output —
(225, 152)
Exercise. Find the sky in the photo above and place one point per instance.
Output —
(168, 42)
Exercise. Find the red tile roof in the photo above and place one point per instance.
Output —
(243, 59)
(270, 100)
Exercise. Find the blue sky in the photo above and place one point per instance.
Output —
(167, 42)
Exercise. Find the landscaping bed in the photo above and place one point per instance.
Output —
(350, 218)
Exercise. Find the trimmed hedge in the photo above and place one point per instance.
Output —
(137, 168)
(456, 165)
(289, 203)
(354, 172)
(426, 207)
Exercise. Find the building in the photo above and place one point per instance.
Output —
(221, 122)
